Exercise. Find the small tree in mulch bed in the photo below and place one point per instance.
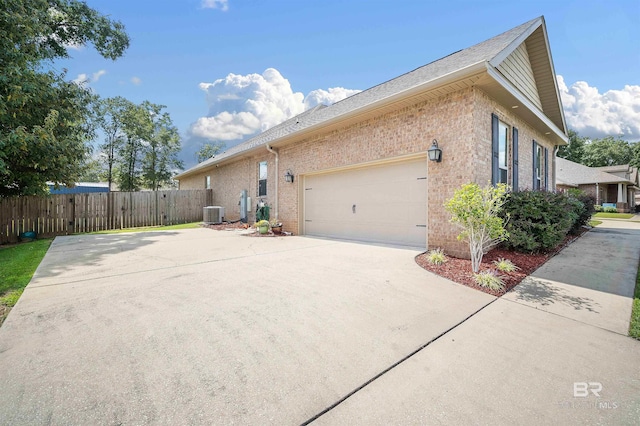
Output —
(476, 210)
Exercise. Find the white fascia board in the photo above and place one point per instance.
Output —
(506, 84)
(497, 60)
(555, 80)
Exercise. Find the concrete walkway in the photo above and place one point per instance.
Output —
(529, 357)
(591, 281)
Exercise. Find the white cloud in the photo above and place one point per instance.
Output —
(136, 80)
(81, 79)
(84, 79)
(596, 115)
(223, 5)
(74, 46)
(244, 105)
(327, 97)
(96, 75)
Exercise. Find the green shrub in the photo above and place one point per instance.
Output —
(539, 220)
(505, 265)
(610, 210)
(597, 208)
(436, 256)
(489, 279)
(584, 211)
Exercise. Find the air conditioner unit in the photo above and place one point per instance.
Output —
(213, 214)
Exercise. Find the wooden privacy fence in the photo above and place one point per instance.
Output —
(77, 213)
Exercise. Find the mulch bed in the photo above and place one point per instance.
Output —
(233, 226)
(227, 226)
(459, 270)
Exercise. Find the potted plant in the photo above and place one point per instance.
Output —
(262, 226)
(276, 226)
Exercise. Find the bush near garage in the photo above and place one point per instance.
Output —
(585, 212)
(539, 220)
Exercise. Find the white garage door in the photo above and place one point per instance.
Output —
(386, 204)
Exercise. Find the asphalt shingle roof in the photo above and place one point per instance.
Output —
(578, 174)
(481, 52)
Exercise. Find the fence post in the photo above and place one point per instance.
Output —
(71, 217)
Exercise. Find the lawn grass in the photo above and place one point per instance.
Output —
(634, 327)
(595, 222)
(603, 215)
(152, 228)
(17, 265)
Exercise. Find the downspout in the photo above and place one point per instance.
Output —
(556, 148)
(274, 152)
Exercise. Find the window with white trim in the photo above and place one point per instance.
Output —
(262, 179)
(503, 152)
(504, 155)
(538, 165)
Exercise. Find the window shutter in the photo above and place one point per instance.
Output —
(546, 169)
(514, 171)
(495, 171)
(535, 166)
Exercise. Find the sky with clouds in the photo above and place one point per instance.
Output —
(228, 69)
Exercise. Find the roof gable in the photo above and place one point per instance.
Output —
(528, 57)
(517, 69)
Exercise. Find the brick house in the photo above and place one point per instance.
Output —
(616, 186)
(360, 166)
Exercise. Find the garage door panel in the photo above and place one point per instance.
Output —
(390, 204)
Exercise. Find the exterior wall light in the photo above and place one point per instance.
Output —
(288, 177)
(435, 153)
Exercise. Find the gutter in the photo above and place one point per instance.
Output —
(274, 152)
(556, 148)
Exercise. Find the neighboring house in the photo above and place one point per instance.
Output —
(79, 188)
(359, 167)
(608, 185)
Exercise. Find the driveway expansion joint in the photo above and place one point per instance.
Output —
(393, 366)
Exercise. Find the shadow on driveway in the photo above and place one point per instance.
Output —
(547, 293)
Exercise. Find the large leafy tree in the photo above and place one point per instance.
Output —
(208, 150)
(160, 158)
(574, 151)
(92, 170)
(608, 151)
(148, 154)
(111, 116)
(45, 121)
(635, 160)
(137, 130)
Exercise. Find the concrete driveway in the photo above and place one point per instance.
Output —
(205, 327)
